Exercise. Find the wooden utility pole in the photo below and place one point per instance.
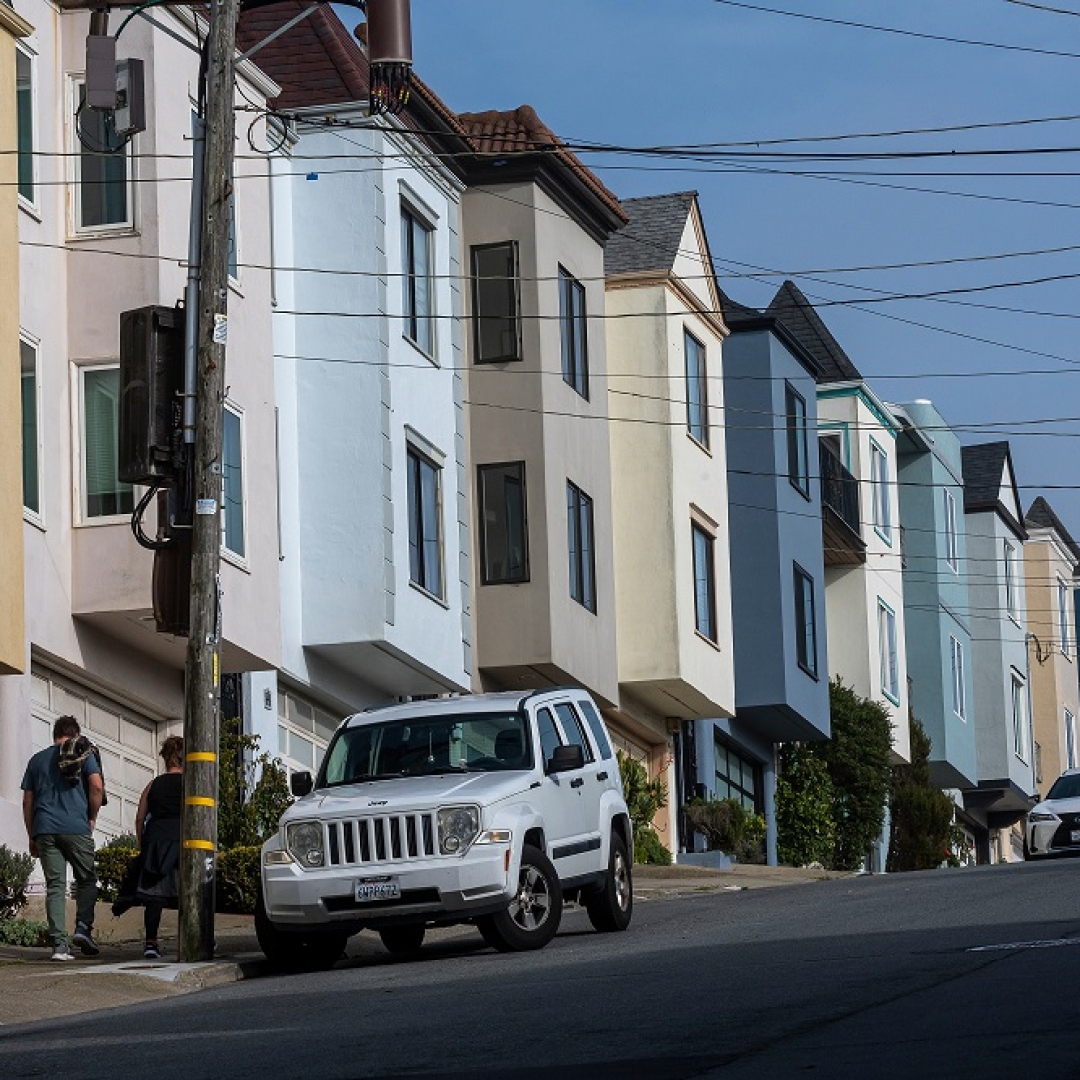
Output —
(203, 672)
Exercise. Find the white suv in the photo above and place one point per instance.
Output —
(490, 809)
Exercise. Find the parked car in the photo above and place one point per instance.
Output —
(1053, 825)
(492, 809)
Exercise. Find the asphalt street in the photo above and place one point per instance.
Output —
(969, 973)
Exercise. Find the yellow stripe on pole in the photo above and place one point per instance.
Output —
(200, 845)
(200, 800)
(201, 755)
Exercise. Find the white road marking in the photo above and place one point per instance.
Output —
(1026, 945)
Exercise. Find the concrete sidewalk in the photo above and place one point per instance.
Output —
(33, 987)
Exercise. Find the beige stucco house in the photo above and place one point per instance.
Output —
(669, 482)
(1051, 559)
(535, 221)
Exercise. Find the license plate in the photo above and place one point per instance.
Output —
(380, 889)
(1076, 836)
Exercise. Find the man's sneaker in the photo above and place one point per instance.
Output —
(62, 952)
(150, 952)
(87, 945)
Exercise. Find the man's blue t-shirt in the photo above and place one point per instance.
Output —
(59, 806)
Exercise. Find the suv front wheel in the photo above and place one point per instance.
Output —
(294, 953)
(532, 919)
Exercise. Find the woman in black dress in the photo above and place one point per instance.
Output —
(158, 827)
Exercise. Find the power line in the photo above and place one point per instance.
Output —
(898, 31)
(1044, 7)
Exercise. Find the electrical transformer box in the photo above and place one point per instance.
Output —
(151, 389)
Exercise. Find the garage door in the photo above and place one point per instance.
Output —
(128, 743)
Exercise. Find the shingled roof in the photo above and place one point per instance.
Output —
(736, 314)
(651, 241)
(984, 469)
(798, 316)
(318, 62)
(1041, 516)
(519, 133)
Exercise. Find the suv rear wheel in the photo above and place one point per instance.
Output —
(611, 906)
(532, 919)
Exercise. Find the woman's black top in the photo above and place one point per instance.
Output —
(166, 798)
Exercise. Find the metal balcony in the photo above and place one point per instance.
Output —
(840, 524)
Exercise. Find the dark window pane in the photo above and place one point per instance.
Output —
(805, 621)
(573, 333)
(575, 733)
(495, 303)
(597, 728)
(549, 735)
(798, 467)
(425, 540)
(103, 194)
(697, 400)
(232, 464)
(24, 106)
(503, 534)
(704, 584)
(416, 264)
(581, 549)
(105, 494)
(28, 367)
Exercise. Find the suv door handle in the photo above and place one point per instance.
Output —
(577, 781)
(601, 776)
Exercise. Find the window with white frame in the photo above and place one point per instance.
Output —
(28, 376)
(704, 582)
(574, 334)
(959, 694)
(425, 535)
(697, 389)
(879, 481)
(103, 493)
(1063, 618)
(952, 549)
(103, 189)
(416, 259)
(26, 135)
(581, 548)
(1019, 717)
(233, 531)
(890, 665)
(1012, 605)
(1070, 740)
(304, 732)
(797, 440)
(805, 621)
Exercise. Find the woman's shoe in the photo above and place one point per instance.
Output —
(150, 951)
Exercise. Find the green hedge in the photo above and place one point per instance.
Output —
(112, 864)
(238, 879)
(27, 932)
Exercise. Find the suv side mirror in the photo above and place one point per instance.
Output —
(301, 783)
(566, 759)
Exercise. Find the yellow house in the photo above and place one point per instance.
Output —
(12, 627)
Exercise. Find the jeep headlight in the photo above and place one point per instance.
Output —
(305, 843)
(458, 826)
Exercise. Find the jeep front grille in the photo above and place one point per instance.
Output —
(383, 839)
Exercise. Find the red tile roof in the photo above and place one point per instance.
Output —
(520, 132)
(318, 62)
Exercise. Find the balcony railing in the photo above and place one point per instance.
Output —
(839, 511)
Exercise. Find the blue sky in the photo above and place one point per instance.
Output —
(693, 71)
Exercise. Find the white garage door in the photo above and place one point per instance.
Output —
(128, 743)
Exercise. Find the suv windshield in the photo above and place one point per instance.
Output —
(423, 745)
(1065, 787)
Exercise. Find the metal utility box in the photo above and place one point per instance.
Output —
(151, 388)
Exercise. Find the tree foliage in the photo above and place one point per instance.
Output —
(849, 772)
(644, 797)
(857, 757)
(729, 827)
(253, 791)
(805, 832)
(922, 816)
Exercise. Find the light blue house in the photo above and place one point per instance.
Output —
(936, 601)
(1004, 742)
(777, 564)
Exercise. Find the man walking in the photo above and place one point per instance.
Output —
(60, 815)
